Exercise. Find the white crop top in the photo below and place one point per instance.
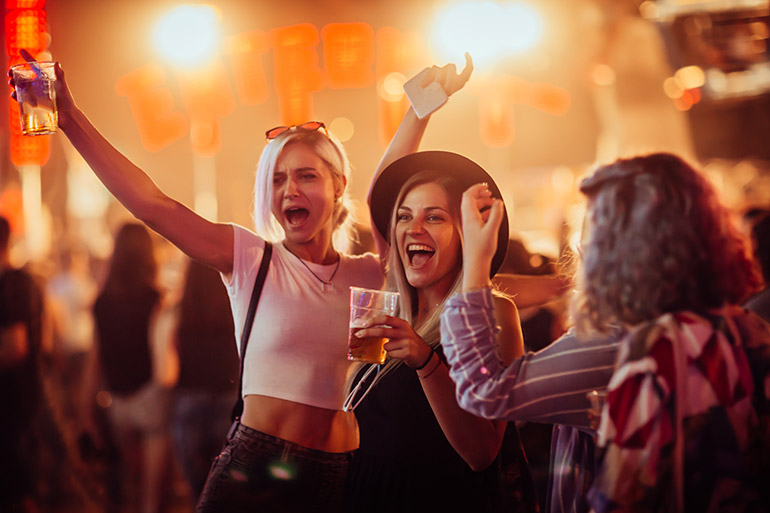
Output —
(298, 345)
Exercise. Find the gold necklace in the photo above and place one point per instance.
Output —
(326, 285)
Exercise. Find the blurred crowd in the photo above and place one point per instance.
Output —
(122, 384)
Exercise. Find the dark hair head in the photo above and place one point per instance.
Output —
(204, 307)
(133, 266)
(760, 233)
(5, 233)
(656, 240)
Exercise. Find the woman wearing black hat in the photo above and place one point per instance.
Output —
(419, 451)
(291, 448)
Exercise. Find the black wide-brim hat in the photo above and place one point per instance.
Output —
(388, 185)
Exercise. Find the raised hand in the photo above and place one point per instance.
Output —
(481, 218)
(64, 100)
(404, 344)
(447, 76)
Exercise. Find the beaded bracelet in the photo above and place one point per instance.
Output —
(438, 364)
(426, 361)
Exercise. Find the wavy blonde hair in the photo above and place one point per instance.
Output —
(331, 151)
(656, 240)
(395, 278)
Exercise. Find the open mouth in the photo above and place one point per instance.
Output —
(419, 254)
(296, 216)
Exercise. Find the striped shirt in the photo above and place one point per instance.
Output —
(548, 386)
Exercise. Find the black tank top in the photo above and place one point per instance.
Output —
(123, 324)
(404, 462)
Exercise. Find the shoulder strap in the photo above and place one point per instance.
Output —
(255, 294)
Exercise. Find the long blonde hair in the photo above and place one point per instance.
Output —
(331, 151)
(429, 328)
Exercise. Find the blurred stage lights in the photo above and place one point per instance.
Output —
(392, 87)
(342, 128)
(487, 30)
(188, 35)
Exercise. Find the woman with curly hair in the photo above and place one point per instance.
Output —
(685, 423)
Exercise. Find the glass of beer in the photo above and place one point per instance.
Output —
(364, 305)
(36, 96)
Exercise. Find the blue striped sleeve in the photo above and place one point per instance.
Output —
(547, 386)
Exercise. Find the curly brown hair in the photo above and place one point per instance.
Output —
(656, 239)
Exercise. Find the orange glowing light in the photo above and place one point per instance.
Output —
(496, 108)
(207, 98)
(12, 207)
(496, 118)
(30, 151)
(204, 94)
(297, 74)
(152, 106)
(24, 4)
(246, 53)
(348, 55)
(342, 128)
(683, 103)
(391, 88)
(25, 28)
(396, 51)
(549, 98)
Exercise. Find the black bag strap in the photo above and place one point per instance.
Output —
(255, 294)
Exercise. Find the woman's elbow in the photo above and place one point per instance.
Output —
(482, 459)
(465, 399)
(155, 209)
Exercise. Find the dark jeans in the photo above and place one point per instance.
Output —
(199, 424)
(256, 472)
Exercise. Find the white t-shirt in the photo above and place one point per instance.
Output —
(297, 349)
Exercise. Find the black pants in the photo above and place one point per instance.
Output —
(256, 472)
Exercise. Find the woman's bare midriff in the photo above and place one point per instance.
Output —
(308, 426)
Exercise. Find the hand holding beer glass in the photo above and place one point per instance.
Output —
(366, 304)
(34, 83)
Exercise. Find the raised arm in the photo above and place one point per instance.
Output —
(411, 130)
(209, 243)
(475, 439)
(547, 386)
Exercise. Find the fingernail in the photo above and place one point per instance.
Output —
(359, 334)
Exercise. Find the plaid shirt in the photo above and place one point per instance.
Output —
(685, 425)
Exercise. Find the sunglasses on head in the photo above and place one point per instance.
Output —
(310, 126)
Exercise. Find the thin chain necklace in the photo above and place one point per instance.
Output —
(326, 285)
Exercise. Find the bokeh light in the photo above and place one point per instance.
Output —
(342, 128)
(188, 35)
(489, 31)
(392, 87)
(691, 77)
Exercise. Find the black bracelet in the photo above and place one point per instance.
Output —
(426, 361)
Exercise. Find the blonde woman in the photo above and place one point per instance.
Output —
(292, 447)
